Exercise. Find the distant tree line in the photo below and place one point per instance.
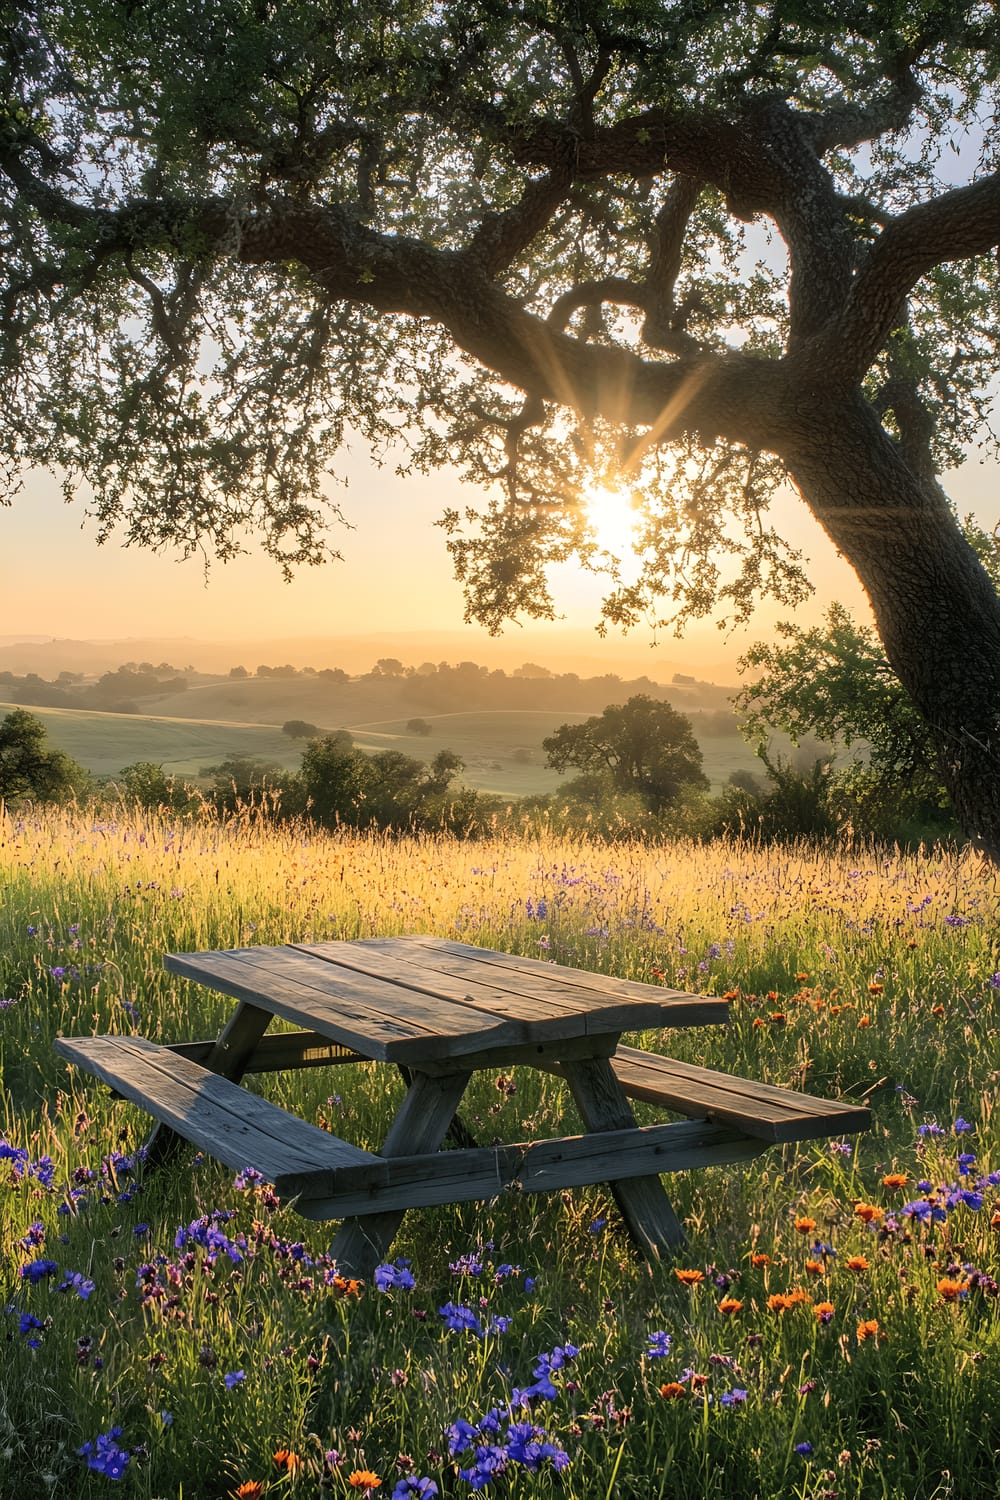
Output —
(113, 692)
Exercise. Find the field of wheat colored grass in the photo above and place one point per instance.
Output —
(832, 1328)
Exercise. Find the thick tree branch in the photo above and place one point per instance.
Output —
(666, 246)
(954, 226)
(502, 237)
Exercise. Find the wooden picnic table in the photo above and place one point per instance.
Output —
(441, 1011)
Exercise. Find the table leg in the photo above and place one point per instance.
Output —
(420, 1126)
(235, 1046)
(645, 1207)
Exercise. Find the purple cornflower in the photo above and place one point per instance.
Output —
(659, 1345)
(410, 1485)
(77, 1282)
(804, 1448)
(394, 1274)
(735, 1397)
(961, 1125)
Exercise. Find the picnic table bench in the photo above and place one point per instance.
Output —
(441, 1011)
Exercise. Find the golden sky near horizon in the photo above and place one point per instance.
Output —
(396, 576)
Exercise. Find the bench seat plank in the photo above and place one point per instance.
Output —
(760, 1109)
(221, 1118)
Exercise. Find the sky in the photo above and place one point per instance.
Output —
(396, 577)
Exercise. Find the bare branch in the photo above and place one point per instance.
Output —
(592, 294)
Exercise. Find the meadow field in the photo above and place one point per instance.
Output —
(831, 1330)
(501, 748)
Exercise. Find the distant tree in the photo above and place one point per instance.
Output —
(264, 671)
(32, 771)
(833, 681)
(387, 666)
(299, 729)
(333, 674)
(530, 669)
(246, 781)
(445, 766)
(238, 673)
(337, 780)
(147, 783)
(287, 670)
(642, 746)
(418, 726)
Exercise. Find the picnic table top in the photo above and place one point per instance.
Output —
(412, 998)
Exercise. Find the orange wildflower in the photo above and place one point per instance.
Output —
(346, 1286)
(800, 978)
(856, 1263)
(951, 1290)
(805, 1226)
(759, 1021)
(672, 1390)
(835, 1010)
(995, 1221)
(912, 943)
(815, 1267)
(250, 1489)
(730, 1305)
(773, 995)
(287, 1460)
(824, 1311)
(731, 995)
(779, 1302)
(875, 989)
(937, 1010)
(690, 1278)
(778, 1018)
(869, 1329)
(866, 1212)
(363, 1479)
(864, 1021)
(895, 1180)
(758, 1259)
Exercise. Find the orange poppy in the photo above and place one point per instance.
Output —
(867, 1212)
(287, 1460)
(805, 1226)
(730, 1305)
(690, 1278)
(824, 1311)
(672, 1390)
(250, 1489)
(363, 1479)
(758, 1259)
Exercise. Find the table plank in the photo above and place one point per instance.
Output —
(388, 1031)
(542, 1017)
(537, 990)
(605, 984)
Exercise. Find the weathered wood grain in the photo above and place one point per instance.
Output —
(645, 1207)
(539, 1167)
(219, 1117)
(759, 1109)
(418, 1129)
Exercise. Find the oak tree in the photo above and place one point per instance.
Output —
(693, 249)
(641, 746)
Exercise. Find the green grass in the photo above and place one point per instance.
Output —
(865, 975)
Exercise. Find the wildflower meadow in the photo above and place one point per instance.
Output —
(831, 1330)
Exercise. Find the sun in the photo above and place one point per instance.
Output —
(613, 520)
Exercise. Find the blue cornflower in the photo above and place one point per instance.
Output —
(26, 1323)
(167, 1418)
(961, 1125)
(460, 1319)
(956, 921)
(36, 1270)
(597, 1226)
(659, 1345)
(929, 1130)
(105, 1456)
(735, 1397)
(965, 1161)
(396, 1275)
(234, 1378)
(804, 1448)
(410, 1485)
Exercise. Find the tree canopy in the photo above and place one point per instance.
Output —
(641, 746)
(694, 250)
(30, 769)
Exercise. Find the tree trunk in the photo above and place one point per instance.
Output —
(936, 610)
